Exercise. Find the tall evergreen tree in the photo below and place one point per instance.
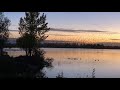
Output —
(4, 31)
(32, 29)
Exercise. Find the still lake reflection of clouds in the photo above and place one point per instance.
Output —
(81, 62)
(75, 62)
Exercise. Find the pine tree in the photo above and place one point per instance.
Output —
(32, 29)
(4, 31)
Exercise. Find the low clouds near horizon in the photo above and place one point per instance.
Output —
(74, 31)
(114, 39)
(71, 30)
(68, 30)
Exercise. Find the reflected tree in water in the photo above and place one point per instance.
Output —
(93, 73)
(60, 75)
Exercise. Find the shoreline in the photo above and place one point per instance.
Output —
(64, 47)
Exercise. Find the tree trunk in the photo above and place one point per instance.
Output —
(26, 50)
(30, 50)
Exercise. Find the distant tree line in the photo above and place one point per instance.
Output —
(77, 45)
(67, 45)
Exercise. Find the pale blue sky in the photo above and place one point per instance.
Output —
(105, 21)
(80, 21)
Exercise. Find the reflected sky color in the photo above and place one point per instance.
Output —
(90, 21)
(80, 62)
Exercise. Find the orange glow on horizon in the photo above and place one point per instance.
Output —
(85, 37)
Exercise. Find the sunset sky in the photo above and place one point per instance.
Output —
(77, 26)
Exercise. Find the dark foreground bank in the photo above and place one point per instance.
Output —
(23, 66)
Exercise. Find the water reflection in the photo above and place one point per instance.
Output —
(23, 66)
(81, 63)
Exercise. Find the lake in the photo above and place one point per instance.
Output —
(80, 63)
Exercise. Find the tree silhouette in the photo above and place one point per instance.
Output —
(32, 29)
(4, 31)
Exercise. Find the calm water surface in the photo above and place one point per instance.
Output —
(80, 63)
